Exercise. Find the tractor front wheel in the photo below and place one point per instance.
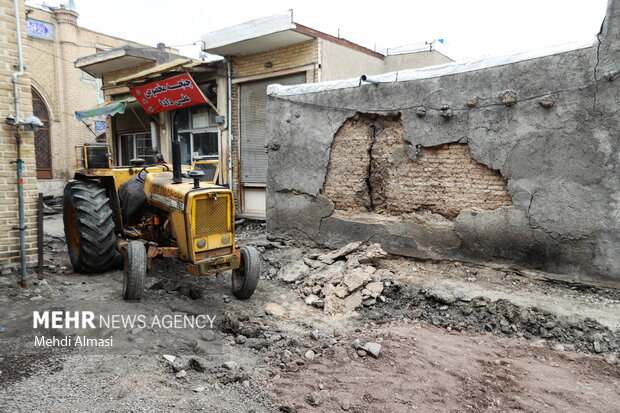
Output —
(245, 278)
(89, 226)
(135, 271)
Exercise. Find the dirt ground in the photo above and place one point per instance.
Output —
(454, 337)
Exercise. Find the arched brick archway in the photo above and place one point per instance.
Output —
(42, 141)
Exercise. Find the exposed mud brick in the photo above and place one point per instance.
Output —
(346, 183)
(370, 170)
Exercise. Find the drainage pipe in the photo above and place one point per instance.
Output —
(19, 163)
(229, 120)
(368, 79)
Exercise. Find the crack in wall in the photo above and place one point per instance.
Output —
(598, 49)
(371, 172)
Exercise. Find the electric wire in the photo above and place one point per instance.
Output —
(51, 54)
(610, 77)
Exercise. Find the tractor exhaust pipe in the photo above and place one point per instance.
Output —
(176, 163)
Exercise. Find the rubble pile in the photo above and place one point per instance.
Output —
(340, 281)
(451, 310)
(52, 205)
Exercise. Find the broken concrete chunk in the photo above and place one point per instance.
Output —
(170, 359)
(293, 271)
(314, 399)
(374, 349)
(372, 253)
(370, 301)
(339, 291)
(352, 261)
(335, 305)
(230, 365)
(311, 299)
(355, 278)
(313, 263)
(375, 288)
(180, 364)
(309, 355)
(369, 269)
(332, 256)
(445, 297)
(326, 274)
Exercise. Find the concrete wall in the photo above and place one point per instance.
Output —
(9, 241)
(65, 88)
(405, 61)
(561, 163)
(339, 62)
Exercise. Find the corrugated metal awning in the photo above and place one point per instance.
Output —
(105, 109)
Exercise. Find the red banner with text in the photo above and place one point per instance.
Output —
(174, 93)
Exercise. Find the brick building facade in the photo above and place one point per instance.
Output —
(9, 242)
(54, 41)
(278, 49)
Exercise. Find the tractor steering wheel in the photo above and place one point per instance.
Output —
(150, 166)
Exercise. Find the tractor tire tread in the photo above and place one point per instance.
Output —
(135, 271)
(95, 226)
(252, 264)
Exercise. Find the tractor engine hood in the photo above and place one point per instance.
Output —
(163, 194)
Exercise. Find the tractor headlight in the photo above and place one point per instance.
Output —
(201, 243)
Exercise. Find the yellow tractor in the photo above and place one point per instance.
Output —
(149, 211)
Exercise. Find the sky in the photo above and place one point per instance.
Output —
(472, 28)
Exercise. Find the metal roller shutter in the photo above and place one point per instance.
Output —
(252, 102)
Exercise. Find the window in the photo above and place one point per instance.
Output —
(205, 143)
(135, 145)
(197, 133)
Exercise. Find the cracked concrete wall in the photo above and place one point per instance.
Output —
(561, 163)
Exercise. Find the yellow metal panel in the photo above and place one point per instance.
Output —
(211, 216)
(177, 223)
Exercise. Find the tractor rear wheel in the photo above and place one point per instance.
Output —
(245, 278)
(135, 271)
(89, 226)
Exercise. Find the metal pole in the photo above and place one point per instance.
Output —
(19, 162)
(20, 206)
(40, 235)
(176, 162)
(228, 120)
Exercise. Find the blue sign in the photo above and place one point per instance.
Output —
(99, 126)
(40, 29)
